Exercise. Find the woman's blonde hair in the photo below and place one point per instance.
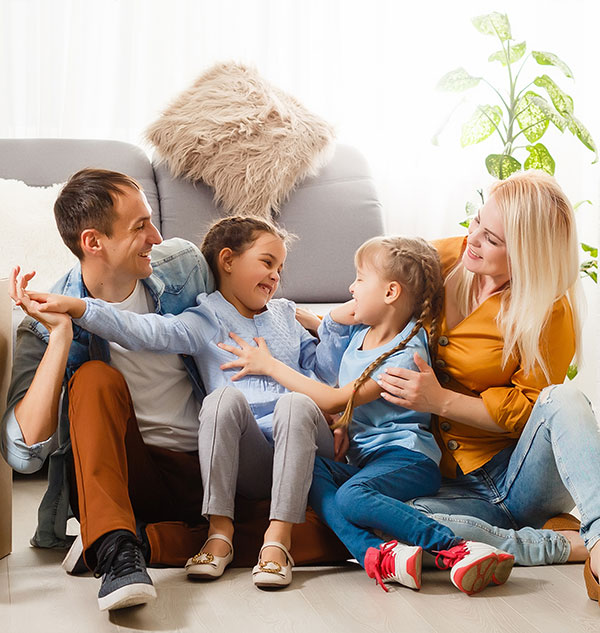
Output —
(542, 248)
(415, 265)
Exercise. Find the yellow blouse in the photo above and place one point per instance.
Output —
(469, 360)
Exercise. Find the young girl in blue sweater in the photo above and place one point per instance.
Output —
(392, 456)
(255, 437)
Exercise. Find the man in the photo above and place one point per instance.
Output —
(130, 420)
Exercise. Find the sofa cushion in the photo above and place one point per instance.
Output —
(30, 238)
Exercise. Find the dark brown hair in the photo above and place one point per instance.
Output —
(87, 202)
(415, 265)
(238, 233)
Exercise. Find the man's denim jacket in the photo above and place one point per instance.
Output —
(180, 273)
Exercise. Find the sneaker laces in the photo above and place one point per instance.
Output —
(385, 565)
(121, 554)
(447, 558)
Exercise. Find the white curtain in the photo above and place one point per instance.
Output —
(91, 69)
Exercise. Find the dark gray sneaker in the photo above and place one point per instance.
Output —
(74, 564)
(121, 564)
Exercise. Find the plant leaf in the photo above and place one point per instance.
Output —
(539, 158)
(493, 24)
(561, 100)
(531, 118)
(516, 52)
(501, 166)
(590, 268)
(470, 208)
(482, 124)
(578, 204)
(457, 80)
(572, 372)
(550, 59)
(559, 121)
(582, 133)
(592, 250)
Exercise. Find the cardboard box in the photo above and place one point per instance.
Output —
(5, 368)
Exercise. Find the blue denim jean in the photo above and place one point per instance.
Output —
(554, 466)
(356, 501)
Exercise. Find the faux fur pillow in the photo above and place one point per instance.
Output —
(248, 140)
(29, 234)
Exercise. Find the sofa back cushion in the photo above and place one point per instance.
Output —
(43, 162)
(331, 213)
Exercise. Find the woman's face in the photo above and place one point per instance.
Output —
(486, 246)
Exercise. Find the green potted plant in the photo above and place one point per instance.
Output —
(521, 113)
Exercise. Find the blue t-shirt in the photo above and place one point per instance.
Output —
(381, 423)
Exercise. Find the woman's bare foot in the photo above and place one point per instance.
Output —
(595, 559)
(579, 552)
(281, 532)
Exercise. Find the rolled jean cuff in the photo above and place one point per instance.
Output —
(591, 541)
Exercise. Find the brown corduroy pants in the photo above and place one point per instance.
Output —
(119, 479)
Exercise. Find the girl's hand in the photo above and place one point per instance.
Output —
(252, 359)
(344, 314)
(341, 442)
(416, 390)
(308, 319)
(28, 301)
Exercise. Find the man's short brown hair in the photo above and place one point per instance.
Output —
(87, 202)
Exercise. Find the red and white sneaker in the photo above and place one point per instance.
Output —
(473, 565)
(395, 562)
(503, 568)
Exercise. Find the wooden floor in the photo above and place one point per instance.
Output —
(36, 595)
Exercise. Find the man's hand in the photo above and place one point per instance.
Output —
(253, 359)
(52, 321)
(344, 314)
(36, 303)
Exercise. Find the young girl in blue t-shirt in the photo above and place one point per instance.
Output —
(392, 455)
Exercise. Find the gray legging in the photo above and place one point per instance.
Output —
(235, 456)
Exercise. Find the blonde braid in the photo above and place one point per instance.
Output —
(415, 265)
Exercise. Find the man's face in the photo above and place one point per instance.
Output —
(133, 236)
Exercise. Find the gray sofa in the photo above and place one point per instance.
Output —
(331, 213)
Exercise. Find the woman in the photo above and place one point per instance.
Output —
(518, 446)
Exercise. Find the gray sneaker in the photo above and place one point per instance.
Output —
(121, 564)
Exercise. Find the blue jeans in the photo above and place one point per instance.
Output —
(354, 501)
(554, 465)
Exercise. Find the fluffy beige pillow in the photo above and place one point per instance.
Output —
(248, 140)
(29, 234)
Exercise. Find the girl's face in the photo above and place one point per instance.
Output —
(249, 279)
(486, 245)
(368, 291)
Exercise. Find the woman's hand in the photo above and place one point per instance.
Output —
(17, 289)
(416, 390)
(344, 314)
(253, 359)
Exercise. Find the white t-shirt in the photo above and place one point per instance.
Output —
(163, 399)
